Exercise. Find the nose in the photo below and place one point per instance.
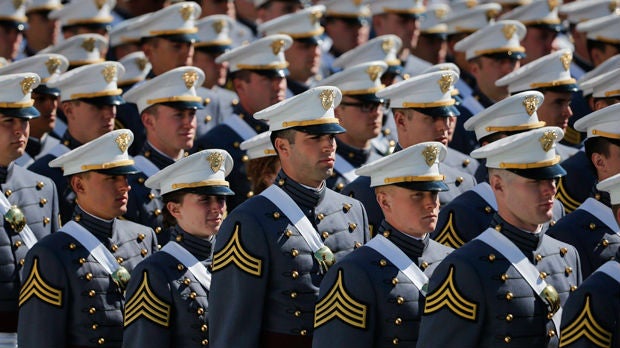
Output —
(548, 187)
(567, 111)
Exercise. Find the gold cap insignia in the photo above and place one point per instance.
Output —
(89, 44)
(53, 64)
(509, 30)
(552, 4)
(100, 3)
(531, 104)
(440, 13)
(186, 12)
(471, 3)
(27, 84)
(491, 14)
(109, 73)
(190, 78)
(373, 72)
(357, 2)
(18, 3)
(315, 16)
(445, 82)
(430, 153)
(547, 140)
(613, 6)
(387, 45)
(122, 141)
(566, 59)
(141, 62)
(327, 98)
(215, 160)
(219, 25)
(276, 46)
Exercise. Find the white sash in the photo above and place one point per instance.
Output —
(145, 166)
(396, 256)
(239, 126)
(190, 261)
(26, 233)
(472, 104)
(93, 245)
(484, 190)
(345, 168)
(611, 268)
(8, 340)
(601, 212)
(59, 150)
(288, 206)
(529, 272)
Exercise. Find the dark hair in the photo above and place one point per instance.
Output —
(599, 45)
(259, 168)
(598, 145)
(288, 134)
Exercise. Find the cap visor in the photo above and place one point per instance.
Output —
(214, 191)
(185, 37)
(438, 36)
(508, 54)
(313, 40)
(327, 128)
(371, 97)
(551, 172)
(185, 105)
(215, 49)
(394, 69)
(440, 111)
(272, 73)
(105, 100)
(569, 88)
(122, 170)
(424, 185)
(43, 89)
(25, 113)
(91, 26)
(17, 25)
(359, 20)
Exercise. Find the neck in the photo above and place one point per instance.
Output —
(95, 215)
(352, 141)
(313, 184)
(172, 153)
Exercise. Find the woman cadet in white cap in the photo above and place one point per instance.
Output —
(167, 302)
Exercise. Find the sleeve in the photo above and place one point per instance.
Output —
(239, 283)
(55, 209)
(346, 309)
(44, 301)
(148, 310)
(454, 309)
(367, 234)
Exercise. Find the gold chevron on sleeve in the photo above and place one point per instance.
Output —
(339, 304)
(448, 235)
(448, 295)
(233, 252)
(36, 286)
(145, 303)
(570, 204)
(585, 325)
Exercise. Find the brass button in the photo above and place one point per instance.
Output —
(346, 207)
(276, 215)
(8, 193)
(281, 182)
(538, 257)
(339, 186)
(143, 252)
(357, 245)
(459, 180)
(200, 311)
(303, 332)
(294, 252)
(352, 226)
(400, 300)
(551, 333)
(157, 212)
(204, 328)
(141, 180)
(293, 294)
(597, 196)
(186, 281)
(101, 341)
(386, 234)
(208, 118)
(321, 216)
(40, 185)
(18, 243)
(543, 275)
(424, 265)
(236, 144)
(394, 281)
(151, 196)
(498, 228)
(563, 251)
(392, 143)
(120, 260)
(295, 274)
(91, 293)
(387, 131)
(507, 339)
(466, 162)
(72, 246)
(395, 341)
(43, 201)
(552, 223)
(398, 321)
(234, 102)
(297, 314)
(568, 270)
(114, 247)
(504, 277)
(22, 261)
(573, 288)
(289, 233)
(488, 209)
(351, 155)
(192, 295)
(509, 296)
(325, 234)
(605, 243)
(204, 342)
(157, 229)
(141, 237)
(509, 317)
(549, 315)
(92, 310)
(46, 220)
(89, 276)
(250, 194)
(592, 225)
(180, 267)
(179, 238)
(94, 327)
(491, 257)
(382, 262)
(82, 260)
(245, 158)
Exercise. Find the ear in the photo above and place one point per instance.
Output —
(385, 201)
(67, 109)
(147, 48)
(77, 184)
(282, 146)
(148, 120)
(496, 182)
(238, 85)
(174, 209)
(338, 111)
(474, 69)
(599, 162)
(401, 120)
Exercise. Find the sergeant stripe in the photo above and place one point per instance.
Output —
(586, 325)
(36, 286)
(447, 295)
(145, 303)
(448, 235)
(339, 304)
(570, 204)
(233, 252)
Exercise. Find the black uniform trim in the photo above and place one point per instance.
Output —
(586, 325)
(36, 286)
(339, 304)
(447, 294)
(449, 235)
(570, 204)
(235, 252)
(145, 303)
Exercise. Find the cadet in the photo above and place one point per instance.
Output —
(258, 73)
(374, 297)
(12, 24)
(304, 55)
(549, 75)
(85, 17)
(47, 66)
(88, 98)
(28, 202)
(273, 250)
(76, 278)
(41, 31)
(431, 47)
(167, 298)
(361, 113)
(422, 108)
(592, 228)
(263, 163)
(508, 284)
(167, 106)
(470, 214)
(136, 67)
(590, 316)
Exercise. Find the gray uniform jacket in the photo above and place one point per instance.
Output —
(68, 299)
(477, 298)
(265, 279)
(365, 301)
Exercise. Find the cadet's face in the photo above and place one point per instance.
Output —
(276, 9)
(104, 196)
(47, 105)
(490, 70)
(212, 7)
(166, 55)
(610, 164)
(171, 130)
(10, 40)
(526, 203)
(13, 138)
(411, 212)
(87, 121)
(555, 109)
(42, 30)
(261, 92)
(304, 60)
(406, 28)
(432, 49)
(537, 42)
(420, 128)
(199, 215)
(215, 74)
(310, 160)
(362, 121)
(346, 35)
